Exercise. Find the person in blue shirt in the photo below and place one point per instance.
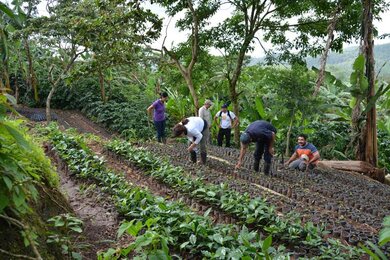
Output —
(305, 155)
(263, 134)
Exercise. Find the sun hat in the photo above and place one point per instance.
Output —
(208, 102)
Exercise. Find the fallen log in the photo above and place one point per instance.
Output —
(356, 166)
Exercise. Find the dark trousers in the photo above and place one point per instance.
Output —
(224, 132)
(160, 127)
(262, 148)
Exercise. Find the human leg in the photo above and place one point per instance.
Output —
(203, 145)
(267, 159)
(220, 137)
(257, 155)
(228, 133)
(159, 129)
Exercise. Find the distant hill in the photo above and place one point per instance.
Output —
(340, 64)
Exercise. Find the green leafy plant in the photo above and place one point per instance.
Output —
(66, 227)
(255, 212)
(161, 220)
(384, 237)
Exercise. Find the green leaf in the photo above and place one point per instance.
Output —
(8, 182)
(267, 243)
(260, 107)
(211, 193)
(17, 136)
(359, 63)
(76, 256)
(218, 238)
(378, 252)
(207, 212)
(4, 201)
(193, 239)
(184, 245)
(76, 229)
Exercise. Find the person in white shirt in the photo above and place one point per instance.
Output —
(194, 128)
(228, 120)
(204, 113)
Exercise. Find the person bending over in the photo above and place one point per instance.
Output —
(194, 128)
(263, 134)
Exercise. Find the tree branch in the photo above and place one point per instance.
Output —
(195, 37)
(21, 225)
(324, 56)
(15, 255)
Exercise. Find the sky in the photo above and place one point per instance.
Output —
(174, 36)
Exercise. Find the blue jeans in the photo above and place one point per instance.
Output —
(160, 127)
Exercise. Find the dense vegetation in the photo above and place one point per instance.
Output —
(96, 57)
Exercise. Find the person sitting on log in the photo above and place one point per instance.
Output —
(305, 155)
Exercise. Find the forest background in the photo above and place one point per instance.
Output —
(99, 57)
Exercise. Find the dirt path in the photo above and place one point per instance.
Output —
(93, 207)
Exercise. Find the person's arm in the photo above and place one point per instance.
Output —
(316, 156)
(216, 120)
(271, 144)
(292, 158)
(243, 149)
(201, 113)
(198, 137)
(150, 109)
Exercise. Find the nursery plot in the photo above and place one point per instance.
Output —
(286, 190)
(346, 203)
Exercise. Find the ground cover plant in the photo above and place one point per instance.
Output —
(168, 227)
(254, 212)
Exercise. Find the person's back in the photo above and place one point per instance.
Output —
(260, 129)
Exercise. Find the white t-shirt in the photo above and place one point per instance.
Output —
(226, 122)
(194, 129)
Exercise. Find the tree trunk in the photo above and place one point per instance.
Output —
(31, 78)
(287, 153)
(233, 87)
(6, 77)
(191, 87)
(371, 147)
(102, 90)
(16, 89)
(48, 100)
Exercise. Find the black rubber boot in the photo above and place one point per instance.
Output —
(193, 156)
(203, 158)
(256, 165)
(267, 168)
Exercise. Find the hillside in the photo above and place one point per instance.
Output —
(340, 64)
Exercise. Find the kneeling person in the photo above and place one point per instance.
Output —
(305, 155)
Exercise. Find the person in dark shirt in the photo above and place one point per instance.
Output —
(263, 133)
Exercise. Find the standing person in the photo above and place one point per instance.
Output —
(194, 128)
(228, 120)
(159, 119)
(204, 113)
(263, 133)
(305, 155)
